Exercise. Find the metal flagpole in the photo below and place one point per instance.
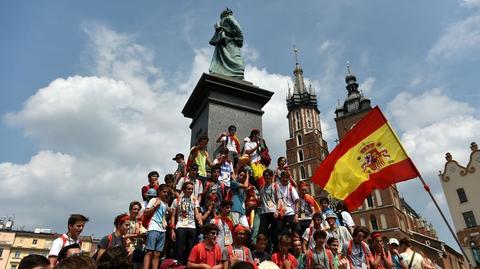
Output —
(427, 189)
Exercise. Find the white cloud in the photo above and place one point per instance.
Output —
(412, 112)
(101, 134)
(471, 3)
(367, 85)
(460, 39)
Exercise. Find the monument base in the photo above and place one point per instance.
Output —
(218, 102)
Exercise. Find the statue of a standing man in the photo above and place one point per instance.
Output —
(228, 39)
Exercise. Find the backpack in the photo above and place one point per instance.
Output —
(65, 240)
(310, 257)
(146, 218)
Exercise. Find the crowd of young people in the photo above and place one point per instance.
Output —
(234, 210)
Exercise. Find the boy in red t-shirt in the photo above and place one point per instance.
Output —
(282, 258)
(206, 254)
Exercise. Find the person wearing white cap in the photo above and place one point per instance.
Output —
(339, 232)
(398, 262)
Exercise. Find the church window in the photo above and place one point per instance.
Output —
(378, 196)
(297, 120)
(309, 119)
(299, 140)
(469, 219)
(302, 172)
(373, 222)
(462, 195)
(300, 155)
(370, 201)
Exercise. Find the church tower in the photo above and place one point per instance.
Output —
(353, 109)
(383, 210)
(306, 148)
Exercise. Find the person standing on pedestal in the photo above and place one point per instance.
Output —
(231, 143)
(199, 155)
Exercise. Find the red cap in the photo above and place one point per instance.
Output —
(239, 228)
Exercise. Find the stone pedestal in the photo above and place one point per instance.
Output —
(219, 101)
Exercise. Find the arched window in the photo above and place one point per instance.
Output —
(373, 222)
(370, 201)
(297, 119)
(300, 155)
(299, 140)
(309, 119)
(302, 173)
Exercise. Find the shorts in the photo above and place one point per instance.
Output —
(155, 241)
(239, 219)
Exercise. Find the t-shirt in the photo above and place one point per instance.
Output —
(308, 237)
(259, 257)
(320, 259)
(341, 233)
(358, 255)
(288, 195)
(201, 161)
(249, 145)
(145, 189)
(230, 143)
(225, 236)
(201, 254)
(158, 222)
(278, 259)
(116, 241)
(242, 253)
(347, 219)
(197, 187)
(58, 244)
(238, 197)
(214, 189)
(268, 199)
(417, 259)
(226, 170)
(185, 211)
(305, 210)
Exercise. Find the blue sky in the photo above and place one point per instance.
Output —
(92, 91)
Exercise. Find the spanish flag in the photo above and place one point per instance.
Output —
(369, 157)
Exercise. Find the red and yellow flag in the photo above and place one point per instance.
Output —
(369, 157)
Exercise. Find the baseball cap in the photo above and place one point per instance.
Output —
(330, 215)
(393, 241)
(178, 155)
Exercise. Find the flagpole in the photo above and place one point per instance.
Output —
(427, 189)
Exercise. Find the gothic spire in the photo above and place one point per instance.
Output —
(299, 86)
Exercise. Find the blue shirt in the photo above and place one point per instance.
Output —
(238, 197)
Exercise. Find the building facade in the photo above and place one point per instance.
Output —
(305, 147)
(461, 185)
(14, 245)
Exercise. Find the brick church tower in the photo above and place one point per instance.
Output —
(306, 148)
(383, 210)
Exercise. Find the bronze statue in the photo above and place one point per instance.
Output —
(227, 39)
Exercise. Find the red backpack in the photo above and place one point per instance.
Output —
(65, 240)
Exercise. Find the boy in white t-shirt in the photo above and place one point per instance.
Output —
(76, 223)
(156, 227)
